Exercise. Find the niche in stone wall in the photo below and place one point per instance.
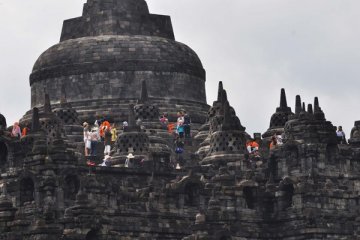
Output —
(191, 194)
(249, 195)
(26, 191)
(71, 187)
(3, 154)
(92, 235)
(292, 154)
(332, 151)
(288, 190)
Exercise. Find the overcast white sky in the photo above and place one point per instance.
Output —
(256, 47)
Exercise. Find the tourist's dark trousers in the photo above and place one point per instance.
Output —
(93, 148)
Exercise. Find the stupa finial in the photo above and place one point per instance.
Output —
(297, 104)
(316, 104)
(310, 108)
(220, 91)
(283, 102)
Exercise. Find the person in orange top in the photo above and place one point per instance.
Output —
(273, 142)
(171, 127)
(252, 146)
(24, 131)
(104, 125)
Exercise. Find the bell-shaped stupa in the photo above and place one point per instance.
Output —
(104, 56)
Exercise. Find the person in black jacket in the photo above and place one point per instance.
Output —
(187, 124)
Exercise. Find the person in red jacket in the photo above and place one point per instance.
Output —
(252, 146)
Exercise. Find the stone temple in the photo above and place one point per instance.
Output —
(118, 61)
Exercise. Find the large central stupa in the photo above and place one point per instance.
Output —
(104, 55)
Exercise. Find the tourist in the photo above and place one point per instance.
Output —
(171, 127)
(104, 125)
(106, 161)
(87, 138)
(97, 128)
(129, 160)
(341, 136)
(16, 131)
(25, 131)
(179, 149)
(164, 121)
(180, 125)
(125, 125)
(187, 123)
(180, 117)
(107, 141)
(279, 139)
(273, 142)
(252, 146)
(180, 130)
(94, 137)
(113, 134)
(140, 124)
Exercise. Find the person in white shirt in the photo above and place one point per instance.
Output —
(94, 136)
(87, 138)
(341, 136)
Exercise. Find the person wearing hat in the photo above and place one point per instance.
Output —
(128, 162)
(125, 125)
(106, 161)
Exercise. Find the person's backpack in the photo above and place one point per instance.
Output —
(179, 150)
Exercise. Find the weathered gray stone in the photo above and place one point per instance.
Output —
(120, 62)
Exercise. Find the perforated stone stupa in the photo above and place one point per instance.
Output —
(120, 62)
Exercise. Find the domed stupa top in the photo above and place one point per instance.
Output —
(104, 55)
(117, 17)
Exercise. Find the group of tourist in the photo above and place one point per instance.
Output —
(101, 131)
(183, 125)
(17, 132)
(182, 132)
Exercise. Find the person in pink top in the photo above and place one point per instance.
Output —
(16, 131)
